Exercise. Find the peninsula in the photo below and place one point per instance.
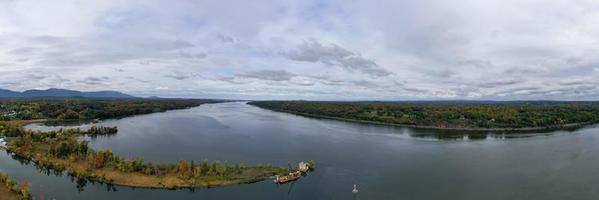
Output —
(64, 150)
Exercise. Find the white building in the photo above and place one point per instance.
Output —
(303, 166)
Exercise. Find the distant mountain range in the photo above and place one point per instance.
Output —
(54, 92)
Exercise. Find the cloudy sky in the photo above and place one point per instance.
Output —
(305, 49)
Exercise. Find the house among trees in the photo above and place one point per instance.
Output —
(303, 166)
(2, 143)
(8, 113)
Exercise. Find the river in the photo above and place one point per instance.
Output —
(385, 162)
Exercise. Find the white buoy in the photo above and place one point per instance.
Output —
(355, 190)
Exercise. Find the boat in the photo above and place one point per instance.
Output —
(287, 178)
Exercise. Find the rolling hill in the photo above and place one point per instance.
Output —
(55, 92)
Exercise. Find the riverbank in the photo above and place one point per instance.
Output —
(472, 129)
(6, 194)
(172, 180)
(22, 123)
(10, 190)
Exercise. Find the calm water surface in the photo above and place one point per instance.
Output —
(385, 162)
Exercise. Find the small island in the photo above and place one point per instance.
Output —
(506, 116)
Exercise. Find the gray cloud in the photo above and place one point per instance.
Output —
(193, 55)
(416, 90)
(332, 54)
(333, 82)
(574, 61)
(137, 79)
(22, 51)
(517, 91)
(178, 76)
(361, 50)
(365, 84)
(576, 83)
(475, 62)
(230, 79)
(225, 38)
(519, 71)
(61, 51)
(312, 51)
(499, 83)
(270, 75)
(93, 80)
(37, 76)
(182, 75)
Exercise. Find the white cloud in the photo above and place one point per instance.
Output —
(414, 49)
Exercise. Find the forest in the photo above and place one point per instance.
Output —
(450, 115)
(78, 109)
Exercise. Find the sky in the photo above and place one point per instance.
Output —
(305, 49)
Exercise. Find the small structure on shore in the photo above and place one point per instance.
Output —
(2, 143)
(287, 178)
(302, 168)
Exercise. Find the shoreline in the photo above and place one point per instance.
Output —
(6, 194)
(140, 180)
(103, 166)
(471, 129)
(11, 189)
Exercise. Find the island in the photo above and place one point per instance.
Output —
(507, 116)
(65, 150)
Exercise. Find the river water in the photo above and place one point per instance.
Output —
(385, 162)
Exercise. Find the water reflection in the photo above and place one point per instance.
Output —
(414, 133)
(386, 162)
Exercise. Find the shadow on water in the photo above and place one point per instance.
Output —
(487, 135)
(453, 135)
(416, 133)
(49, 170)
(81, 183)
(387, 162)
(67, 123)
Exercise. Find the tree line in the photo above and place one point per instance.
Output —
(75, 109)
(449, 115)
